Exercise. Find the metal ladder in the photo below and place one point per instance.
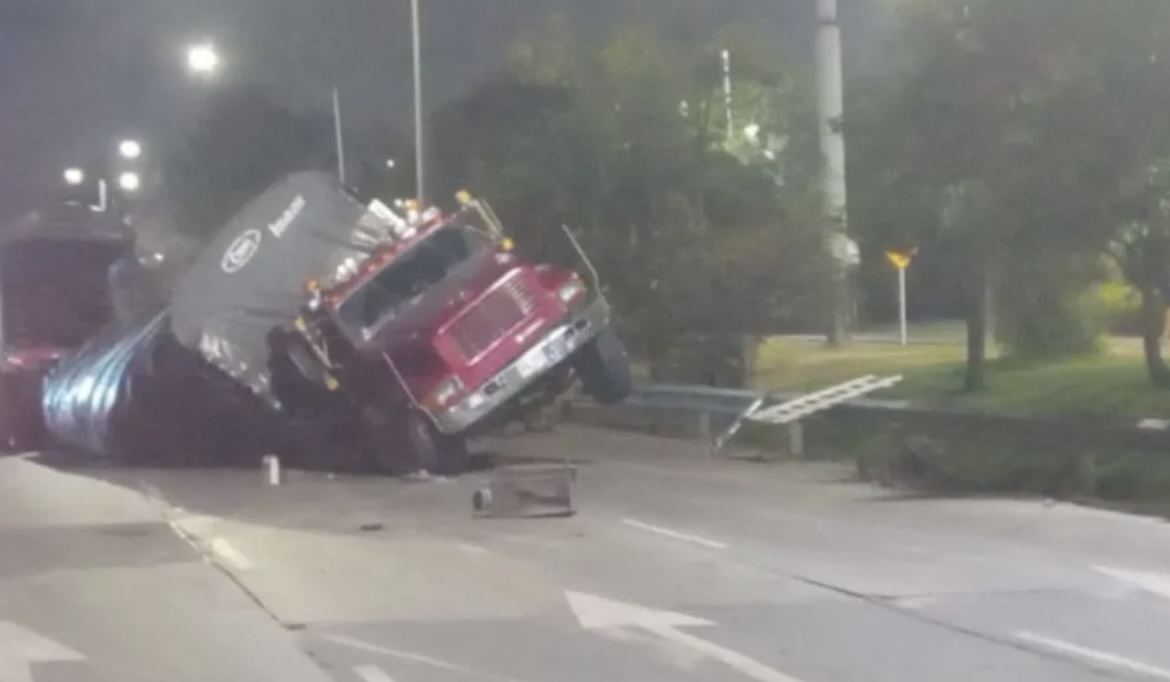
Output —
(792, 411)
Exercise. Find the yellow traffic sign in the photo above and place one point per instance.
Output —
(901, 259)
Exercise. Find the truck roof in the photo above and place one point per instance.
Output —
(253, 275)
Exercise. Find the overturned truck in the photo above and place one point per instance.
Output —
(345, 335)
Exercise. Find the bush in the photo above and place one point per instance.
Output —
(1051, 309)
(1122, 306)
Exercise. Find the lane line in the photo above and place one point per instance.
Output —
(1157, 583)
(1093, 655)
(666, 532)
(412, 657)
(224, 550)
(372, 673)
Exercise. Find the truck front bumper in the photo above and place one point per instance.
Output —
(579, 329)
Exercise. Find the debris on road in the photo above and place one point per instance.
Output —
(528, 490)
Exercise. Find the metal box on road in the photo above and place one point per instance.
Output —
(531, 490)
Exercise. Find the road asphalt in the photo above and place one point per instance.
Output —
(676, 567)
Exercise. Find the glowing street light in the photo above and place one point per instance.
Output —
(130, 149)
(391, 163)
(203, 60)
(129, 181)
(74, 176)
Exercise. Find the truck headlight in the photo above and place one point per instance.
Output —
(446, 391)
(571, 290)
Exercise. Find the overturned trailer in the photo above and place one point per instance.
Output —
(341, 334)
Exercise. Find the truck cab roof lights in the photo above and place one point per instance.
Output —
(385, 213)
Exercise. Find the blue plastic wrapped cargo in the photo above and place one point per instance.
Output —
(133, 393)
(86, 393)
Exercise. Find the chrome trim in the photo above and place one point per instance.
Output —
(578, 329)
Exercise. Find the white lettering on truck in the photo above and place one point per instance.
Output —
(245, 246)
(278, 227)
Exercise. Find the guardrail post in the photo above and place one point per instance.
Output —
(705, 425)
(1086, 473)
(796, 439)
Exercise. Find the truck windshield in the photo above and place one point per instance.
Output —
(401, 284)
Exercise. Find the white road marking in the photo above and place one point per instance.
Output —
(599, 613)
(1093, 655)
(21, 647)
(224, 550)
(1157, 583)
(685, 537)
(412, 657)
(469, 548)
(372, 673)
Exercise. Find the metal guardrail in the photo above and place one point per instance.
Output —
(1086, 446)
(727, 401)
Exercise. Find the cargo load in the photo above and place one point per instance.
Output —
(353, 335)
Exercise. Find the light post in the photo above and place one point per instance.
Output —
(74, 176)
(130, 149)
(418, 104)
(203, 60)
(129, 182)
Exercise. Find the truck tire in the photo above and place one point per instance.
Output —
(604, 368)
(433, 451)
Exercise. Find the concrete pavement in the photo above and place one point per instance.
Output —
(96, 587)
(678, 567)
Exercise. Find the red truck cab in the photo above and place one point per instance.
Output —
(467, 334)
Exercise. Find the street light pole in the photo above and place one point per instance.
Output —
(338, 134)
(419, 168)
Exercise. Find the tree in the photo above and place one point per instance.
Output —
(243, 143)
(1002, 135)
(628, 144)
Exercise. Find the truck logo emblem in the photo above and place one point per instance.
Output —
(241, 251)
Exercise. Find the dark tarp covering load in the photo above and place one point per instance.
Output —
(253, 275)
(187, 377)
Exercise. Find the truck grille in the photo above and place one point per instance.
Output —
(500, 311)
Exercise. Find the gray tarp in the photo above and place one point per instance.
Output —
(253, 275)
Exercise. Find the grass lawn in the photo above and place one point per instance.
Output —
(1112, 384)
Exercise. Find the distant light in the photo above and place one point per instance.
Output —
(74, 176)
(203, 59)
(390, 163)
(129, 181)
(130, 149)
(751, 130)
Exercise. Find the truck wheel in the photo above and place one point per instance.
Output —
(436, 452)
(604, 368)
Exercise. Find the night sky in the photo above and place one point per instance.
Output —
(77, 74)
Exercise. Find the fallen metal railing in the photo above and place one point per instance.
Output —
(722, 412)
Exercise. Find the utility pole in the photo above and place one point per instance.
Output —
(830, 108)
